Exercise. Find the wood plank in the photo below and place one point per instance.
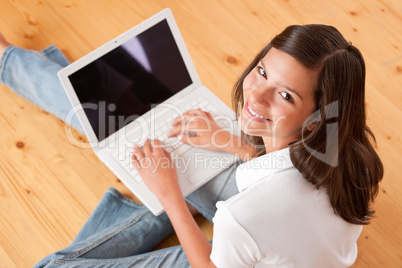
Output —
(48, 187)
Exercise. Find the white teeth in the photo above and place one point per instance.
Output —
(255, 114)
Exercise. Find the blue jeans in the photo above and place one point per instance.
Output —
(120, 232)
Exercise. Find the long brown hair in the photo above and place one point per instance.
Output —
(337, 154)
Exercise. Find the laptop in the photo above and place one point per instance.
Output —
(131, 89)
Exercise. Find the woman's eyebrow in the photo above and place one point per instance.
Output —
(285, 86)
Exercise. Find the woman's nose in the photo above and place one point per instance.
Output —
(261, 96)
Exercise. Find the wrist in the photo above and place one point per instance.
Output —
(223, 141)
(167, 198)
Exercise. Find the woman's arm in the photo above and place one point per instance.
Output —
(162, 180)
(199, 129)
(195, 245)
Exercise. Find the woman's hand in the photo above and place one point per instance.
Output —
(199, 129)
(155, 166)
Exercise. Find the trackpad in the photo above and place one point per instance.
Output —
(200, 165)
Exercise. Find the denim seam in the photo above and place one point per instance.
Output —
(121, 260)
(48, 50)
(99, 242)
(4, 59)
(3, 62)
(124, 199)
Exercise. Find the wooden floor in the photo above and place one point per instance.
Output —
(48, 186)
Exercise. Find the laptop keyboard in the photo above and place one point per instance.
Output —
(173, 145)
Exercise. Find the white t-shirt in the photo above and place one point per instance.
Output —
(279, 219)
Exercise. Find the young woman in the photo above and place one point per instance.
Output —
(301, 195)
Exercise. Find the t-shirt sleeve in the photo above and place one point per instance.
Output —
(232, 245)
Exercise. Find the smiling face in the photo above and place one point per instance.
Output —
(278, 98)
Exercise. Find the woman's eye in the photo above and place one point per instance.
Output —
(287, 96)
(262, 71)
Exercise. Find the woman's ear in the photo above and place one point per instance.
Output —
(311, 126)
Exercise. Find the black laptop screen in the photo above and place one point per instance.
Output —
(123, 84)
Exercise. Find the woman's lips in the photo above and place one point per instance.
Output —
(254, 115)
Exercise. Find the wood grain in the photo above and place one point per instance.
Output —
(48, 187)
